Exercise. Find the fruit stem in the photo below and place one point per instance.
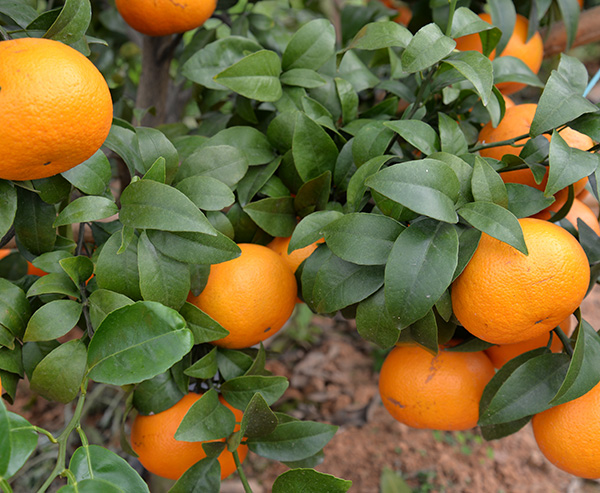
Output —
(566, 342)
(240, 471)
(63, 439)
(451, 17)
(478, 147)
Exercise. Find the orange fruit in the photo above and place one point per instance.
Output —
(508, 103)
(164, 17)
(252, 296)
(504, 297)
(503, 353)
(404, 13)
(437, 392)
(293, 260)
(578, 210)
(569, 435)
(56, 108)
(517, 121)
(153, 439)
(529, 52)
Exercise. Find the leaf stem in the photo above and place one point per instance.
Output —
(420, 94)
(63, 439)
(566, 342)
(41, 431)
(451, 17)
(240, 471)
(512, 141)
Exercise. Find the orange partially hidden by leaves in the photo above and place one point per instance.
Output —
(569, 435)
(517, 121)
(529, 52)
(404, 13)
(31, 269)
(153, 439)
(56, 108)
(164, 17)
(437, 392)
(504, 296)
(293, 260)
(251, 296)
(578, 210)
(503, 353)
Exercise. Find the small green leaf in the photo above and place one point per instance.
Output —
(86, 209)
(310, 481)
(54, 284)
(205, 367)
(204, 475)
(377, 35)
(204, 328)
(313, 149)
(53, 320)
(310, 46)
(92, 176)
(486, 184)
(225, 163)
(418, 133)
(24, 439)
(276, 216)
(119, 271)
(207, 419)
(194, 248)
(239, 391)
(427, 47)
(8, 206)
(258, 419)
(72, 22)
(374, 323)
(15, 310)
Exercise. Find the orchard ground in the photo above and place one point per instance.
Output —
(333, 378)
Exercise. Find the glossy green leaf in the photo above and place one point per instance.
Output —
(204, 328)
(92, 176)
(373, 140)
(72, 22)
(377, 35)
(427, 186)
(486, 184)
(157, 394)
(53, 320)
(205, 367)
(8, 206)
(204, 475)
(54, 284)
(119, 272)
(239, 391)
(511, 69)
(24, 440)
(207, 419)
(33, 222)
(223, 162)
(310, 46)
(313, 149)
(5, 440)
(153, 205)
(302, 77)
(146, 338)
(153, 144)
(67, 360)
(15, 310)
(525, 201)
(374, 323)
(309, 481)
(124, 142)
(276, 216)
(258, 419)
(477, 69)
(79, 269)
(496, 221)
(452, 139)
(86, 209)
(418, 133)
(427, 47)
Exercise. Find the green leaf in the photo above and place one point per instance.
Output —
(205, 475)
(525, 201)
(477, 69)
(153, 205)
(559, 103)
(8, 206)
(373, 140)
(92, 176)
(569, 11)
(392, 482)
(486, 184)
(310, 46)
(53, 320)
(258, 419)
(207, 419)
(205, 367)
(374, 323)
(419, 269)
(496, 221)
(567, 165)
(339, 284)
(252, 142)
(157, 394)
(364, 239)
(453, 140)
(15, 310)
(294, 440)
(584, 369)
(356, 186)
(72, 22)
(233, 363)
(137, 342)
(417, 133)
(93, 461)
(309, 481)
(302, 77)
(254, 180)
(467, 22)
(124, 142)
(348, 98)
(24, 439)
(255, 76)
(79, 269)
(54, 284)
(157, 272)
(5, 440)
(86, 209)
(21, 12)
(204, 328)
(504, 16)
(69, 361)
(528, 390)
(426, 186)
(313, 195)
(427, 47)
(102, 302)
(92, 486)
(194, 248)
(511, 69)
(225, 163)
(153, 144)
(238, 391)
(33, 222)
(313, 149)
(276, 216)
(384, 34)
(119, 271)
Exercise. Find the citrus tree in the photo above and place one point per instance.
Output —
(258, 152)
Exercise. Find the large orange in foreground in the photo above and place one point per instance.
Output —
(164, 17)
(56, 108)
(530, 52)
(569, 435)
(153, 439)
(504, 296)
(437, 392)
(251, 296)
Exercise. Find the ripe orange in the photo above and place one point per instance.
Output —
(503, 353)
(578, 210)
(517, 121)
(569, 435)
(56, 108)
(504, 297)
(438, 392)
(164, 17)
(293, 260)
(252, 296)
(529, 52)
(153, 439)
(508, 103)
